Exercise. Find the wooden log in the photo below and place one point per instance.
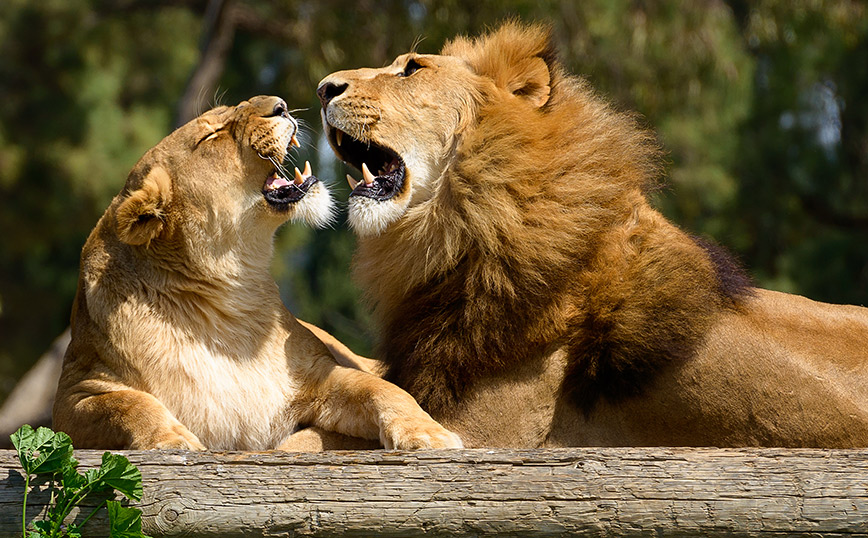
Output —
(528, 493)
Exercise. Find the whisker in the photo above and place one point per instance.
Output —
(219, 95)
(280, 168)
(416, 42)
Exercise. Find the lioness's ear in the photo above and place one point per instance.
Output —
(518, 58)
(139, 218)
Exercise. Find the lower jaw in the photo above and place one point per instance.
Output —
(369, 217)
(286, 196)
(383, 188)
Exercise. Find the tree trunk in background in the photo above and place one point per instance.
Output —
(217, 35)
(33, 397)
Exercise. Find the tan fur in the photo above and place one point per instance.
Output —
(527, 293)
(179, 336)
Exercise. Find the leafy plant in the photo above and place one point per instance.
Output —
(43, 452)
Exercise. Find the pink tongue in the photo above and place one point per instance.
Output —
(276, 182)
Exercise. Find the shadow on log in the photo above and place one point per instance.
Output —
(529, 493)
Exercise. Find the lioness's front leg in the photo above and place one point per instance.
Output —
(342, 353)
(118, 419)
(357, 403)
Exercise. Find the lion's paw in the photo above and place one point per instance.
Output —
(417, 434)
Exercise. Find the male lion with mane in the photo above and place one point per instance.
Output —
(179, 336)
(528, 295)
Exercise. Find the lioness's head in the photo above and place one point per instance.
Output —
(221, 178)
(400, 125)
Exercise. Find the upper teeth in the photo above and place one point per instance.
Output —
(339, 136)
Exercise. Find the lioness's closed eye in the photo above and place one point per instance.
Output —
(179, 336)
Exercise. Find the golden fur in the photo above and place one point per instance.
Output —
(527, 293)
(179, 336)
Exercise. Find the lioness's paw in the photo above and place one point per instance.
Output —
(416, 434)
(180, 438)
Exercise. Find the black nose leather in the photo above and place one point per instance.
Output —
(329, 91)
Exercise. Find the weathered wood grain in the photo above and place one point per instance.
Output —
(611, 492)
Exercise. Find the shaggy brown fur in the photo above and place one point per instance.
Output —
(529, 295)
(179, 336)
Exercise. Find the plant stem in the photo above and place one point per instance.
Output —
(103, 503)
(24, 510)
(67, 508)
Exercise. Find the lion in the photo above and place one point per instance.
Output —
(179, 336)
(528, 295)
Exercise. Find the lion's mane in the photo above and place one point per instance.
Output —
(539, 234)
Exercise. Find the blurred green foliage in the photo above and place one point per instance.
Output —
(760, 105)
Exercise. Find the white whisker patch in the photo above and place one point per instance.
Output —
(369, 217)
(316, 209)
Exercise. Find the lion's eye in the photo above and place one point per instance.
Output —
(411, 67)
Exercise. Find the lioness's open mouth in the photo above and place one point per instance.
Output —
(387, 179)
(280, 192)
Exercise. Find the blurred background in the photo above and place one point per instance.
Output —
(761, 105)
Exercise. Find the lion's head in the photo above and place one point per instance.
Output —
(220, 179)
(398, 123)
(410, 122)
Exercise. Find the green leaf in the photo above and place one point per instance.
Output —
(124, 522)
(42, 451)
(116, 472)
(70, 479)
(72, 531)
(43, 527)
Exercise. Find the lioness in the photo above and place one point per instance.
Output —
(528, 295)
(179, 336)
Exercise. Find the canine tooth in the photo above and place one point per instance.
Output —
(307, 171)
(352, 181)
(367, 175)
(339, 136)
(294, 141)
(299, 179)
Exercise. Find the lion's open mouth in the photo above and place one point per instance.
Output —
(383, 170)
(280, 192)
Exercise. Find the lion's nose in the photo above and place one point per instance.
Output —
(329, 90)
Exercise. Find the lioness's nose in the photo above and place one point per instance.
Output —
(280, 109)
(328, 90)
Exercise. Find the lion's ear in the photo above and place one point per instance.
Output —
(517, 57)
(140, 217)
(531, 81)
